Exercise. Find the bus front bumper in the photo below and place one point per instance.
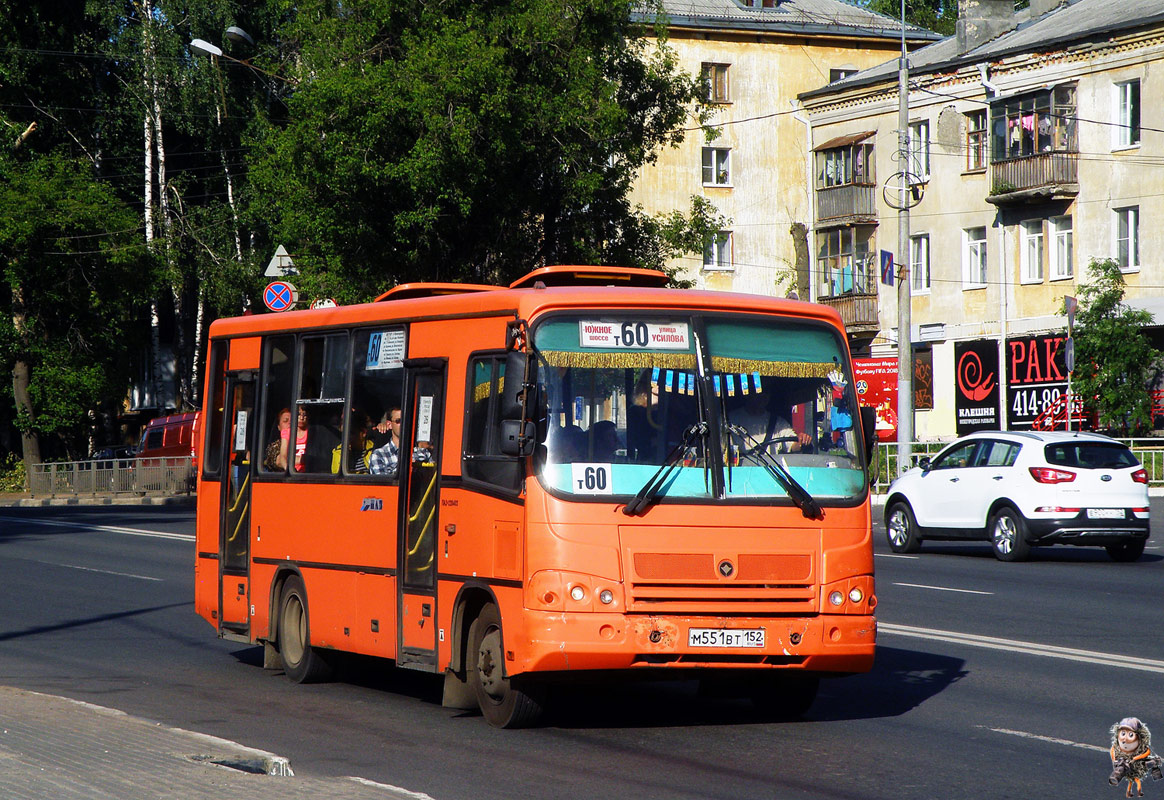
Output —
(824, 643)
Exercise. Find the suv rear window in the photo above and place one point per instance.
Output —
(1090, 455)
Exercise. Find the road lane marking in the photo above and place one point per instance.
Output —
(895, 555)
(94, 569)
(941, 588)
(182, 537)
(1030, 648)
(1050, 739)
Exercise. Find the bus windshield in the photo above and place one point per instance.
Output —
(738, 404)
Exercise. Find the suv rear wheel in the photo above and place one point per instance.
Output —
(1008, 536)
(1126, 551)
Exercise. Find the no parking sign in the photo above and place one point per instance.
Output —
(280, 296)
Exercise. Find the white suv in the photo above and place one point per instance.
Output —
(1019, 490)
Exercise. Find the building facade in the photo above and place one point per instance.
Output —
(1030, 152)
(756, 56)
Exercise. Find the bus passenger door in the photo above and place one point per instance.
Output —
(235, 538)
(419, 513)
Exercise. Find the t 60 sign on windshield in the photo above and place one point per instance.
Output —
(634, 335)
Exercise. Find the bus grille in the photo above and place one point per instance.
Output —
(759, 583)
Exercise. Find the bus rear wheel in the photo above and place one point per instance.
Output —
(302, 662)
(505, 701)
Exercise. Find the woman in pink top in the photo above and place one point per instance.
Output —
(300, 439)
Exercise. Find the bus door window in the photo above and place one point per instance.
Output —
(319, 417)
(216, 383)
(236, 529)
(377, 399)
(423, 473)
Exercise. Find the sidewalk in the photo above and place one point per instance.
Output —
(25, 500)
(54, 747)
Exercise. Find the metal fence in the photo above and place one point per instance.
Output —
(169, 476)
(884, 467)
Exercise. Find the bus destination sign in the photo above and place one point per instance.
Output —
(632, 335)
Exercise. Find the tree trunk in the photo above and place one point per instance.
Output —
(30, 443)
(154, 367)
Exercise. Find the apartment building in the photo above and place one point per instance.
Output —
(1031, 150)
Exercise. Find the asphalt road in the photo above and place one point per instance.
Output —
(992, 680)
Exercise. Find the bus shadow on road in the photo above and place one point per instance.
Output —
(900, 681)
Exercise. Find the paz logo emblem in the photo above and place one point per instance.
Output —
(1105, 477)
(726, 568)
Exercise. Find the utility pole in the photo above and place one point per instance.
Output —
(904, 343)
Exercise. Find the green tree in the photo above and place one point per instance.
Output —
(467, 141)
(940, 16)
(1115, 362)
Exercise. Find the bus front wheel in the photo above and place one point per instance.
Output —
(505, 701)
(302, 662)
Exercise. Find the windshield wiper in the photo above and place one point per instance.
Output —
(797, 493)
(646, 495)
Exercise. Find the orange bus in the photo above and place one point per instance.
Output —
(581, 473)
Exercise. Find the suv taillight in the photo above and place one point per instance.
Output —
(1049, 475)
(1140, 476)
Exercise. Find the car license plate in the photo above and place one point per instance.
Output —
(1105, 513)
(725, 637)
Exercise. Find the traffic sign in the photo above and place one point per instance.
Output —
(280, 296)
(280, 265)
(326, 302)
(1070, 354)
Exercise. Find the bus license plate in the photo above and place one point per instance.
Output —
(725, 637)
(1105, 513)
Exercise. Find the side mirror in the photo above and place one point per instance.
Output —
(517, 437)
(511, 392)
(869, 430)
(924, 463)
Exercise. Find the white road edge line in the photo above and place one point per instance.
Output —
(1050, 739)
(94, 569)
(941, 588)
(184, 537)
(896, 555)
(391, 788)
(1030, 648)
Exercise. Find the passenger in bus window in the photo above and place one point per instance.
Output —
(767, 428)
(641, 426)
(275, 458)
(385, 460)
(604, 437)
(359, 447)
(302, 420)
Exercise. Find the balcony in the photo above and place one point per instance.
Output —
(858, 312)
(849, 203)
(1052, 175)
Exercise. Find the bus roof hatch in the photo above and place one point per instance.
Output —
(592, 276)
(410, 291)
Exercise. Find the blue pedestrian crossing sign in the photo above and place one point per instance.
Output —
(280, 296)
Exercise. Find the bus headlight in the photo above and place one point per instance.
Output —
(606, 597)
(577, 593)
(856, 595)
(836, 598)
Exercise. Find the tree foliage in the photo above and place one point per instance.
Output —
(1115, 363)
(940, 16)
(453, 141)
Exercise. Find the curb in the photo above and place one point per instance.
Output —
(133, 500)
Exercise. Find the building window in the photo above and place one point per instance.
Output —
(840, 74)
(717, 166)
(1062, 248)
(760, 3)
(919, 151)
(1127, 114)
(1032, 251)
(841, 166)
(845, 261)
(919, 263)
(1127, 237)
(974, 258)
(717, 253)
(1036, 123)
(715, 80)
(976, 140)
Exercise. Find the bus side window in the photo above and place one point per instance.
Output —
(278, 385)
(317, 427)
(378, 390)
(482, 459)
